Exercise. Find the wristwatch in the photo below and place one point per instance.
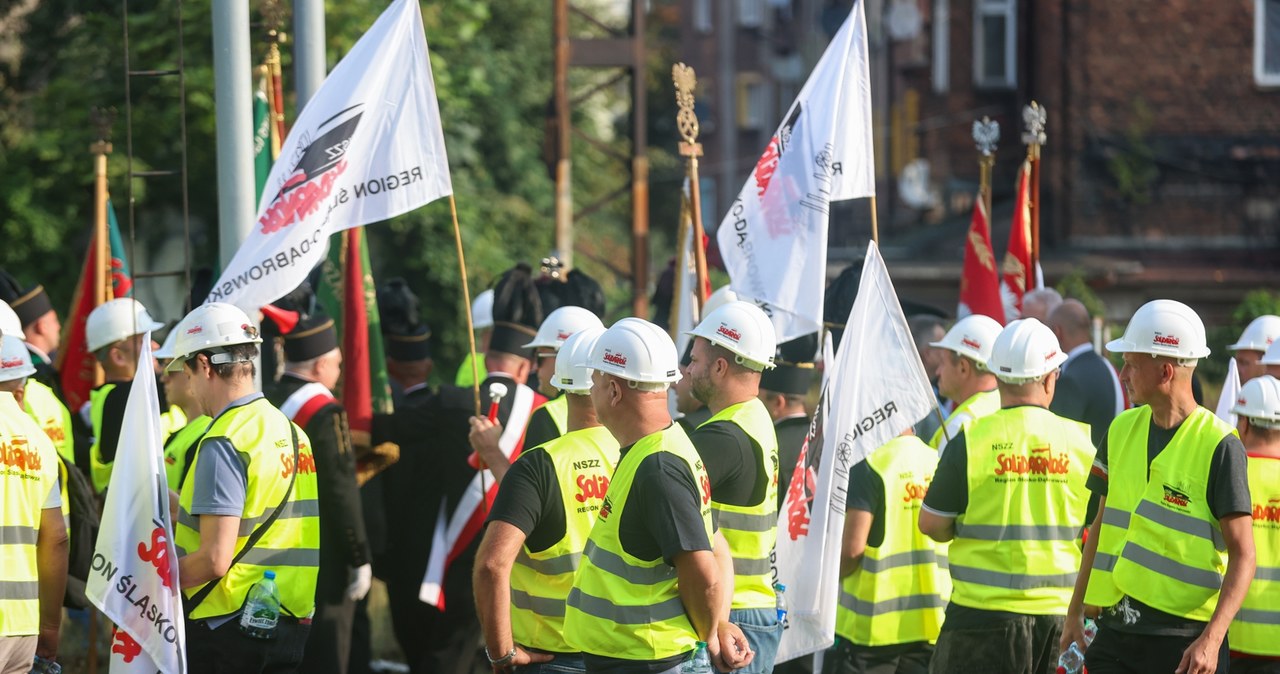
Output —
(502, 661)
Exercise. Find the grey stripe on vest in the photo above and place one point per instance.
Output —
(291, 510)
(746, 522)
(635, 575)
(1258, 616)
(1104, 562)
(1116, 517)
(18, 590)
(625, 615)
(18, 535)
(553, 566)
(541, 605)
(1012, 581)
(1266, 573)
(1016, 532)
(752, 567)
(290, 557)
(914, 602)
(1182, 522)
(1164, 566)
(898, 560)
(188, 520)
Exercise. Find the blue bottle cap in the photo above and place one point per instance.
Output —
(780, 587)
(269, 574)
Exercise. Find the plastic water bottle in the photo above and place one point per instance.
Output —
(701, 662)
(1090, 631)
(262, 608)
(1071, 661)
(779, 591)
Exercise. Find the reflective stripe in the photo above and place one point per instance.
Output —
(553, 566)
(19, 589)
(913, 602)
(746, 522)
(909, 558)
(1016, 532)
(1104, 562)
(1181, 522)
(278, 558)
(188, 520)
(18, 535)
(1167, 567)
(625, 615)
(751, 567)
(291, 510)
(1012, 581)
(1266, 573)
(1116, 517)
(635, 575)
(543, 606)
(1259, 616)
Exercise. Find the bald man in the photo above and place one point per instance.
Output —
(1088, 387)
(1040, 303)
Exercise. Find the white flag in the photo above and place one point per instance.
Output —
(134, 578)
(367, 147)
(684, 307)
(774, 238)
(1230, 391)
(877, 389)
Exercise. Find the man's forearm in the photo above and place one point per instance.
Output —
(1087, 557)
(196, 569)
(702, 591)
(1235, 585)
(724, 559)
(493, 605)
(51, 561)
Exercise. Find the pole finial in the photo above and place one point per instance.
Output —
(686, 81)
(102, 119)
(1034, 118)
(986, 133)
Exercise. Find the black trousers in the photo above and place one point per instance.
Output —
(1027, 644)
(226, 650)
(1114, 652)
(1253, 666)
(329, 649)
(846, 657)
(800, 665)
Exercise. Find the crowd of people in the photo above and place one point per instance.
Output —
(615, 510)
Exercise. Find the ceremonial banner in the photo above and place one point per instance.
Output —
(774, 239)
(876, 389)
(367, 147)
(134, 577)
(979, 283)
(1017, 275)
(1230, 391)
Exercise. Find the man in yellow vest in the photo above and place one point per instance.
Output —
(41, 401)
(650, 588)
(1170, 554)
(1009, 494)
(113, 332)
(963, 377)
(1255, 633)
(894, 585)
(732, 346)
(248, 507)
(548, 421)
(539, 524)
(180, 447)
(33, 534)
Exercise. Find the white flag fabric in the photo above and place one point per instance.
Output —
(774, 238)
(684, 308)
(134, 578)
(877, 389)
(1230, 391)
(367, 147)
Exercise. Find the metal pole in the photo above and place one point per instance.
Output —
(726, 118)
(639, 168)
(233, 104)
(308, 48)
(564, 184)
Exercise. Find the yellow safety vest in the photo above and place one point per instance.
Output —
(28, 471)
(622, 606)
(558, 409)
(52, 416)
(463, 378)
(291, 547)
(981, 404)
(540, 581)
(1016, 543)
(752, 531)
(178, 446)
(899, 591)
(100, 470)
(1159, 542)
(172, 420)
(1256, 628)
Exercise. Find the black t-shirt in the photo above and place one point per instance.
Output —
(1227, 494)
(541, 428)
(866, 493)
(732, 463)
(529, 499)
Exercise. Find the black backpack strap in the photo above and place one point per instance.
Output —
(257, 534)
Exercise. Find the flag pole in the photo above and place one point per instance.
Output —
(875, 223)
(466, 302)
(687, 122)
(678, 290)
(1033, 117)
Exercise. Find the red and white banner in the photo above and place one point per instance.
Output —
(369, 146)
(134, 578)
(774, 239)
(979, 282)
(1017, 278)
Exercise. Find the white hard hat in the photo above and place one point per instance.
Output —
(1025, 351)
(1260, 333)
(482, 311)
(118, 319)
(1259, 400)
(573, 371)
(562, 323)
(10, 324)
(211, 326)
(165, 351)
(972, 337)
(1272, 354)
(722, 296)
(744, 329)
(15, 360)
(636, 350)
(1163, 328)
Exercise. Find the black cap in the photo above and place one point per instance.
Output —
(405, 337)
(793, 371)
(312, 337)
(414, 345)
(571, 289)
(517, 312)
(28, 303)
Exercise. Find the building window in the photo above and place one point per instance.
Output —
(1266, 42)
(995, 33)
(941, 46)
(702, 16)
(753, 101)
(750, 13)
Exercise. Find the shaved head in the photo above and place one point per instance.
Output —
(1071, 322)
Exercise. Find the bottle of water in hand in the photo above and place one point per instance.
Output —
(1071, 661)
(262, 608)
(701, 662)
(779, 591)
